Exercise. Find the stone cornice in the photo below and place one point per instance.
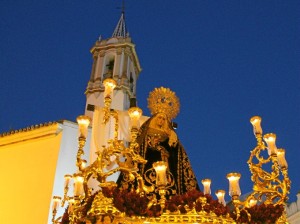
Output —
(30, 133)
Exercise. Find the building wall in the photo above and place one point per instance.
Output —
(28, 162)
(37, 159)
(66, 161)
(293, 211)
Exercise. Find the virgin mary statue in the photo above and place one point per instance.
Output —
(158, 142)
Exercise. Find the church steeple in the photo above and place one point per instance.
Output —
(121, 30)
(115, 58)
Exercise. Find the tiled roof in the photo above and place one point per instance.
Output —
(29, 128)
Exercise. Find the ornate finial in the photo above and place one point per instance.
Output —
(121, 30)
(163, 100)
(123, 6)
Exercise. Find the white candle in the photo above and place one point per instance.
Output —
(270, 139)
(109, 85)
(83, 124)
(67, 180)
(55, 203)
(206, 186)
(255, 121)
(252, 202)
(135, 113)
(234, 188)
(161, 175)
(221, 196)
(281, 158)
(78, 185)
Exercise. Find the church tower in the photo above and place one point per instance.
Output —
(115, 58)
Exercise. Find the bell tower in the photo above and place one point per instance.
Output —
(115, 58)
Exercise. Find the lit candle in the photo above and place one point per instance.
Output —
(234, 188)
(135, 113)
(67, 180)
(55, 203)
(220, 195)
(109, 85)
(270, 139)
(83, 123)
(78, 185)
(252, 202)
(206, 185)
(161, 175)
(281, 158)
(255, 121)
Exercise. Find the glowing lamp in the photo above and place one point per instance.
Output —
(234, 188)
(270, 139)
(161, 174)
(206, 185)
(109, 85)
(135, 113)
(220, 195)
(67, 178)
(255, 121)
(252, 202)
(55, 203)
(78, 185)
(83, 123)
(281, 158)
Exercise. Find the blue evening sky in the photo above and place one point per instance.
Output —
(226, 60)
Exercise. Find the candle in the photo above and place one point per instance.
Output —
(78, 185)
(55, 203)
(252, 202)
(234, 188)
(109, 85)
(83, 123)
(255, 121)
(206, 185)
(135, 113)
(281, 158)
(161, 175)
(67, 180)
(270, 140)
(220, 195)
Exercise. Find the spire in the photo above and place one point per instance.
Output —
(120, 30)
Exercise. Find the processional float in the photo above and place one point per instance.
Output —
(265, 204)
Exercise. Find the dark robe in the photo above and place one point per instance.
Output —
(154, 146)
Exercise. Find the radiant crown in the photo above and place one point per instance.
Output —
(163, 100)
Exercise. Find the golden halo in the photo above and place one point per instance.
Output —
(163, 100)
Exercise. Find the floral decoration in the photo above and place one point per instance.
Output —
(135, 204)
(260, 214)
(199, 201)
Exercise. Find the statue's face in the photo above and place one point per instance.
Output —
(160, 120)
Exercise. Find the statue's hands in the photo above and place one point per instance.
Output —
(173, 140)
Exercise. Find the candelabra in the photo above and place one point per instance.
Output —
(270, 187)
(269, 174)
